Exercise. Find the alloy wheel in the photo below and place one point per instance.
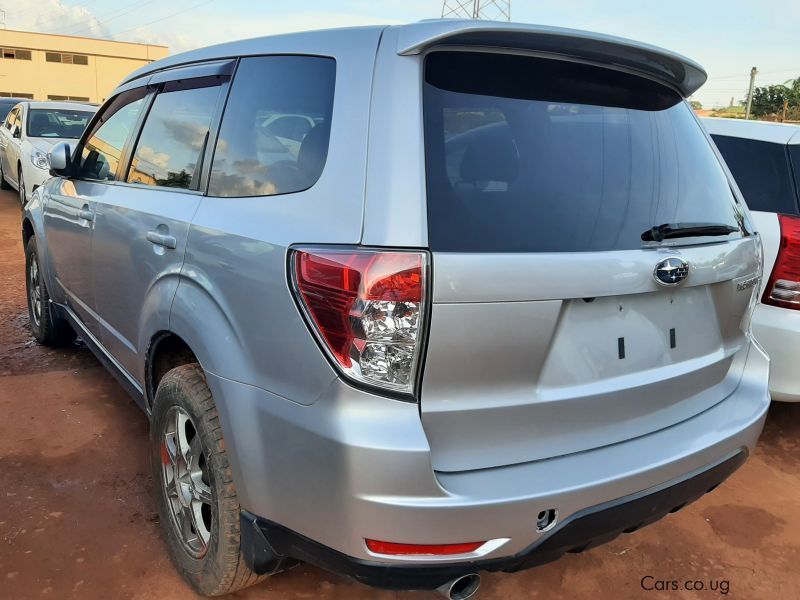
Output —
(34, 291)
(186, 481)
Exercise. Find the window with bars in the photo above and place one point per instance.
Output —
(15, 54)
(16, 95)
(66, 58)
(67, 98)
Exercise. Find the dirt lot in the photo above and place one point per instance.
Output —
(77, 519)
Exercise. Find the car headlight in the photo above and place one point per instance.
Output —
(39, 159)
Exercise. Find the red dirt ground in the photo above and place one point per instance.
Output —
(77, 519)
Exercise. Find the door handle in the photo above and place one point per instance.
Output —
(86, 214)
(161, 239)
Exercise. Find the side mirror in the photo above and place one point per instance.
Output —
(60, 157)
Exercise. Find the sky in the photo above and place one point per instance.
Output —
(726, 38)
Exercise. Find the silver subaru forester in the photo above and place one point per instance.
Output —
(409, 303)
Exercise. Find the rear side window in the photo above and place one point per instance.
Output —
(537, 155)
(174, 136)
(762, 172)
(276, 127)
(102, 151)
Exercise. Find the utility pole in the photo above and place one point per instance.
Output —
(490, 10)
(753, 73)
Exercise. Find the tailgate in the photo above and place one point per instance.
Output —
(515, 374)
(554, 190)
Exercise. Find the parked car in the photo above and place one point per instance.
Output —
(764, 158)
(6, 104)
(494, 310)
(29, 131)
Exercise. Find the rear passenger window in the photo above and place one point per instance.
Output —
(101, 153)
(762, 172)
(275, 131)
(173, 139)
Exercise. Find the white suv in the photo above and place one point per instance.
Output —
(764, 158)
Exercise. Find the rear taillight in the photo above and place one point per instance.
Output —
(783, 288)
(367, 308)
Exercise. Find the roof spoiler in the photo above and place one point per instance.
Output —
(666, 67)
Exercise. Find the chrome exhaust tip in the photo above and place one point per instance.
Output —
(461, 588)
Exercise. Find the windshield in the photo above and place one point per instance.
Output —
(57, 122)
(538, 155)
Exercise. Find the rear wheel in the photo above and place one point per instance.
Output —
(196, 498)
(47, 327)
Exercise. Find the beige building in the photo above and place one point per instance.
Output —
(43, 66)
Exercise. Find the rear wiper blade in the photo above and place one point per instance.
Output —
(679, 230)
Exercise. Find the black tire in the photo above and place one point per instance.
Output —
(21, 183)
(47, 327)
(4, 185)
(221, 569)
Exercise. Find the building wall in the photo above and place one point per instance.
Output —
(108, 63)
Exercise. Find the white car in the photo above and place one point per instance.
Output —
(28, 133)
(764, 158)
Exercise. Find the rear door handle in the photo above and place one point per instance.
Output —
(161, 239)
(86, 214)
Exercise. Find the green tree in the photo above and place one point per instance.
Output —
(769, 99)
(180, 180)
(695, 104)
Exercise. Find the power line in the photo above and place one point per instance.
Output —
(491, 10)
(176, 13)
(794, 70)
(105, 18)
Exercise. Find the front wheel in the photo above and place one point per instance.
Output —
(197, 501)
(22, 194)
(47, 327)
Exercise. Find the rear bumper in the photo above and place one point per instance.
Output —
(270, 544)
(352, 466)
(778, 331)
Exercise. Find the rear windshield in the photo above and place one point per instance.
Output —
(538, 155)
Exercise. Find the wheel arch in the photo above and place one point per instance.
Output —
(27, 231)
(32, 225)
(197, 327)
(166, 351)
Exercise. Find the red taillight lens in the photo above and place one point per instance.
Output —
(366, 306)
(422, 549)
(783, 288)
